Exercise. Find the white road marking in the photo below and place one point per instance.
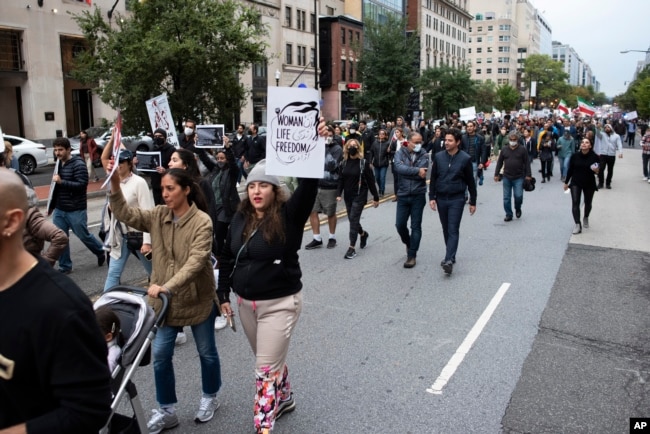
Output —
(455, 361)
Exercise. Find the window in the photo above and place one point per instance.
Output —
(288, 53)
(312, 57)
(351, 71)
(343, 76)
(490, 28)
(11, 56)
(488, 71)
(342, 36)
(350, 36)
(504, 27)
(287, 16)
(479, 39)
(329, 10)
(358, 34)
(489, 49)
(313, 23)
(504, 38)
(302, 55)
(479, 29)
(503, 70)
(488, 60)
(479, 50)
(479, 60)
(478, 71)
(301, 22)
(504, 49)
(490, 38)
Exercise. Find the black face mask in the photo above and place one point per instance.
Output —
(353, 151)
(158, 141)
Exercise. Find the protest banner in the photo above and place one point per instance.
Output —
(209, 136)
(148, 161)
(160, 116)
(467, 113)
(293, 146)
(52, 195)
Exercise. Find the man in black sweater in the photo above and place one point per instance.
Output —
(516, 167)
(54, 375)
(451, 175)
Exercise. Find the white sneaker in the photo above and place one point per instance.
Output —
(207, 407)
(161, 420)
(645, 178)
(220, 322)
(181, 338)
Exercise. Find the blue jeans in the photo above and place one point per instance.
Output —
(380, 177)
(163, 368)
(410, 206)
(242, 172)
(564, 167)
(450, 212)
(116, 266)
(511, 186)
(78, 222)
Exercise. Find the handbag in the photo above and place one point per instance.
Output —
(134, 241)
(529, 185)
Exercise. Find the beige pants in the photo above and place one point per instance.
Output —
(90, 167)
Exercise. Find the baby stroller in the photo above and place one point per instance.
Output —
(139, 325)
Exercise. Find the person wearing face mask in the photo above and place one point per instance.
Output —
(166, 149)
(411, 163)
(474, 145)
(326, 198)
(355, 180)
(379, 158)
(188, 138)
(516, 167)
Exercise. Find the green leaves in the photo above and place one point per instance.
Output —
(191, 49)
(387, 68)
(445, 90)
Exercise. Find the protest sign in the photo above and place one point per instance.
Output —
(293, 146)
(209, 136)
(148, 161)
(467, 113)
(160, 116)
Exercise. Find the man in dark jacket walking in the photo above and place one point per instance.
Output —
(451, 175)
(411, 164)
(256, 148)
(70, 203)
(474, 144)
(516, 167)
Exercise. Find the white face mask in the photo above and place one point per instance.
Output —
(417, 147)
(513, 144)
(189, 131)
(329, 140)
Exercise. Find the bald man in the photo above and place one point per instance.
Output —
(53, 371)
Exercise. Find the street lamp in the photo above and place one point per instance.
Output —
(277, 77)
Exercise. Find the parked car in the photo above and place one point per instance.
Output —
(31, 155)
(141, 142)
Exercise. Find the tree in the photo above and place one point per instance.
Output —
(192, 50)
(445, 89)
(387, 68)
(549, 75)
(484, 96)
(507, 97)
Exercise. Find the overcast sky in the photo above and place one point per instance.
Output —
(598, 31)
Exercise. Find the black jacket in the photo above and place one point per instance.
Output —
(256, 149)
(239, 146)
(227, 186)
(71, 191)
(580, 173)
(474, 146)
(379, 153)
(266, 271)
(451, 176)
(166, 152)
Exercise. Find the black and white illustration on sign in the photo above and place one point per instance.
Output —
(209, 136)
(293, 147)
(148, 161)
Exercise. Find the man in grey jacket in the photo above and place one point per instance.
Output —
(516, 167)
(411, 164)
(608, 144)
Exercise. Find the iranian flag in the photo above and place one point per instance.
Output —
(585, 107)
(563, 108)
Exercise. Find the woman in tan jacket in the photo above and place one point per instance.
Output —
(181, 240)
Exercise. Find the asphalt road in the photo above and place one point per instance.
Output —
(564, 350)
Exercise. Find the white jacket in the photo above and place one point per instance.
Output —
(608, 144)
